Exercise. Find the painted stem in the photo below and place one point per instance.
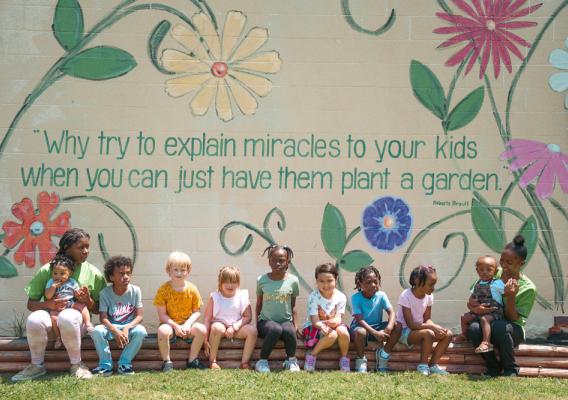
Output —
(353, 24)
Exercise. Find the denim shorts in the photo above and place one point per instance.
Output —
(404, 337)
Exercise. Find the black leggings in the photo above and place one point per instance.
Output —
(271, 332)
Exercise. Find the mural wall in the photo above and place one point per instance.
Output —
(363, 131)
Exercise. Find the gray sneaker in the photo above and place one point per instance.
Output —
(291, 364)
(80, 371)
(167, 366)
(361, 365)
(30, 372)
(382, 360)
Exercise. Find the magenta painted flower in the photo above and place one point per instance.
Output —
(543, 162)
(486, 30)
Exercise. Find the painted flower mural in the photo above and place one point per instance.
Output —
(221, 68)
(486, 30)
(543, 162)
(387, 223)
(36, 229)
(559, 81)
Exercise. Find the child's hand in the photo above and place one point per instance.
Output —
(180, 331)
(440, 332)
(230, 332)
(121, 338)
(83, 295)
(325, 329)
(56, 304)
(381, 336)
(206, 348)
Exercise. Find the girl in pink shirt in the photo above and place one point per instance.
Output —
(414, 314)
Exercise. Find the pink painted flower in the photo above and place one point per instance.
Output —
(543, 162)
(487, 31)
(35, 229)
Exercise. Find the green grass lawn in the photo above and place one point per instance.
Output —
(237, 385)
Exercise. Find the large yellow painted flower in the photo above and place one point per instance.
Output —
(220, 67)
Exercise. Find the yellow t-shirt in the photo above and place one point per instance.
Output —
(179, 304)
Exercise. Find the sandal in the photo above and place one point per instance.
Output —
(484, 347)
(245, 365)
(214, 365)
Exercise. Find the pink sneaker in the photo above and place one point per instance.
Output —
(344, 364)
(310, 363)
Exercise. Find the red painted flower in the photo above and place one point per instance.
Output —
(487, 31)
(35, 229)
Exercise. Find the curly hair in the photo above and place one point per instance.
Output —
(70, 237)
(274, 247)
(419, 275)
(61, 259)
(326, 268)
(518, 247)
(363, 273)
(116, 262)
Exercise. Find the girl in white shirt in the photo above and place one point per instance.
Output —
(228, 314)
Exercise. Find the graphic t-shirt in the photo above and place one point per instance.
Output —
(120, 309)
(65, 291)
(325, 308)
(277, 297)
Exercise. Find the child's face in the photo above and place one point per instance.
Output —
(278, 261)
(178, 273)
(121, 275)
(429, 285)
(510, 262)
(486, 268)
(60, 273)
(79, 251)
(370, 285)
(229, 289)
(326, 283)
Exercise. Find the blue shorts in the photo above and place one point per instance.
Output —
(404, 337)
(175, 338)
(370, 338)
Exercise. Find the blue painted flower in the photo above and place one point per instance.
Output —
(559, 82)
(387, 222)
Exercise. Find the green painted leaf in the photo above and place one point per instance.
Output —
(530, 233)
(486, 226)
(2, 235)
(355, 260)
(68, 23)
(154, 43)
(7, 269)
(466, 110)
(427, 89)
(333, 231)
(99, 63)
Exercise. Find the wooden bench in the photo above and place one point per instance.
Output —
(534, 360)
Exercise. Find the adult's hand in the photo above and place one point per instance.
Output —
(83, 295)
(511, 288)
(56, 304)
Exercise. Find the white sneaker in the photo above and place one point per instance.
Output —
(80, 371)
(291, 364)
(361, 365)
(262, 366)
(32, 371)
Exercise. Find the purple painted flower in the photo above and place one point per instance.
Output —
(387, 222)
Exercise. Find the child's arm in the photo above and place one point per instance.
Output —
(427, 324)
(192, 318)
(294, 312)
(246, 318)
(319, 324)
(120, 337)
(258, 307)
(137, 319)
(165, 319)
(208, 316)
(50, 291)
(392, 320)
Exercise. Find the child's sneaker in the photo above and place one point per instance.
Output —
(102, 371)
(436, 370)
(382, 360)
(32, 371)
(195, 364)
(423, 369)
(361, 364)
(262, 366)
(291, 364)
(310, 363)
(125, 370)
(344, 364)
(167, 366)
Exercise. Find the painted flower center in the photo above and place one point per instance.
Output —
(553, 148)
(388, 221)
(491, 25)
(36, 228)
(219, 69)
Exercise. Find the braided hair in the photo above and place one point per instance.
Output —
(363, 273)
(71, 237)
(518, 247)
(274, 247)
(419, 275)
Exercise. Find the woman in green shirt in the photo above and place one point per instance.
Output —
(518, 300)
(74, 244)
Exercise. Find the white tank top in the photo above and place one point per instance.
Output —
(229, 310)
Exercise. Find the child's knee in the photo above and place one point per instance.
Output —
(217, 329)
(99, 331)
(360, 333)
(332, 335)
(398, 328)
(342, 332)
(164, 332)
(428, 335)
(138, 332)
(250, 330)
(198, 329)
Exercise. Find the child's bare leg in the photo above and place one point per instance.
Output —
(360, 339)
(465, 320)
(394, 336)
(325, 341)
(249, 334)
(165, 332)
(443, 343)
(217, 332)
(343, 340)
(485, 322)
(56, 331)
(85, 314)
(425, 338)
(198, 332)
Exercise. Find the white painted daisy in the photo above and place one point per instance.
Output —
(559, 82)
(222, 68)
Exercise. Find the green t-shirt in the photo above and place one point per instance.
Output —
(277, 297)
(525, 298)
(86, 275)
